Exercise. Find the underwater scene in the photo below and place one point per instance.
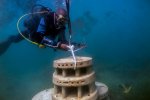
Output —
(116, 34)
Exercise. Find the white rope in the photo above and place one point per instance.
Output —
(71, 47)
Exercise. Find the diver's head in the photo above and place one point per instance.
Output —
(61, 16)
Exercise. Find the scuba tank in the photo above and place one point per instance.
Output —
(32, 21)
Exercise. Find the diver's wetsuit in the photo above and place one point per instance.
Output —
(47, 31)
(45, 34)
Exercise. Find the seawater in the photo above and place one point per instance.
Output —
(117, 36)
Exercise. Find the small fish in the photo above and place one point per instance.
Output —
(126, 89)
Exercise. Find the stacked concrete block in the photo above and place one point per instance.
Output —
(74, 82)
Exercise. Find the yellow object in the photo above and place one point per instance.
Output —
(22, 34)
(41, 46)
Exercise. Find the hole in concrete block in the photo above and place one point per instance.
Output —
(82, 81)
(66, 82)
(59, 89)
(71, 91)
(57, 95)
(85, 90)
(88, 62)
(89, 69)
(72, 82)
(70, 72)
(81, 63)
(83, 71)
(59, 71)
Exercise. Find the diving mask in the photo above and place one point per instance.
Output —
(62, 20)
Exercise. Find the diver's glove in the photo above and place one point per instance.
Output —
(49, 42)
(76, 46)
(63, 46)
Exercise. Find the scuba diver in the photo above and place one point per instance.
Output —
(45, 29)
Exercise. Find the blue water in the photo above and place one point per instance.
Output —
(117, 35)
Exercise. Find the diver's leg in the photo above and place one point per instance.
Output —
(12, 39)
(4, 46)
(17, 38)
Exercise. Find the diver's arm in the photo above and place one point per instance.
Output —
(47, 41)
(51, 43)
(41, 31)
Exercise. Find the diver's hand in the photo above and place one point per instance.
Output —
(76, 46)
(64, 46)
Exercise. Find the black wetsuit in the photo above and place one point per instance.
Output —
(47, 31)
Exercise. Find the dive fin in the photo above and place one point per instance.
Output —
(4, 46)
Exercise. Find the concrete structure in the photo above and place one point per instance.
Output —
(74, 84)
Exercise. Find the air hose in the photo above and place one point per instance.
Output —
(20, 30)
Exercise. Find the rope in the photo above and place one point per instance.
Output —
(71, 47)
